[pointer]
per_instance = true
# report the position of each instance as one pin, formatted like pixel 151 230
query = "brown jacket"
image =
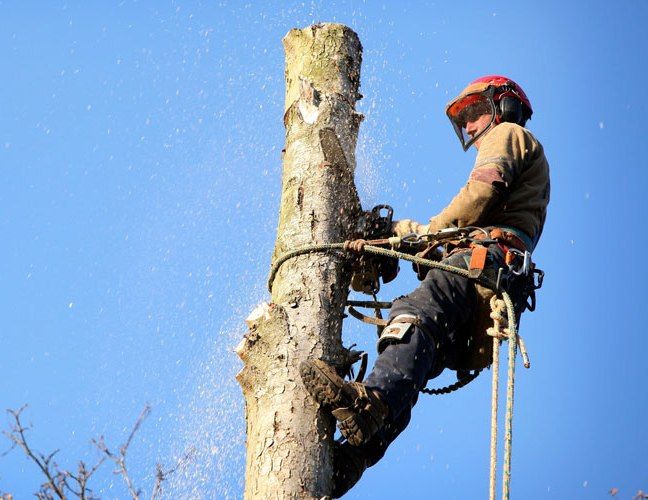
pixel 508 187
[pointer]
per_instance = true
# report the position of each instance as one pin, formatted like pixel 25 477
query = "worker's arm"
pixel 500 157
pixel 408 226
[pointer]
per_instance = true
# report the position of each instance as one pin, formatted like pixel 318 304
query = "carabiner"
pixel 524 269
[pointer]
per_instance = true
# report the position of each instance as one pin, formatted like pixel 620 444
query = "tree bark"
pixel 289 443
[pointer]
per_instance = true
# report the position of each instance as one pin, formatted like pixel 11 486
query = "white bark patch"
pixel 258 314
pixel 308 112
pixel 309 102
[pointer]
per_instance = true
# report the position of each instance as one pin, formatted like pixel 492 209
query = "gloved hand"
pixel 407 226
pixel 356 246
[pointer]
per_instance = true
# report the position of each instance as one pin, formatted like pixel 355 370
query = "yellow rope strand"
pixel 494 399
pixel 503 328
pixel 510 389
pixel 497 332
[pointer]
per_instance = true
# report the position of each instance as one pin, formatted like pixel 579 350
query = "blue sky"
pixel 140 174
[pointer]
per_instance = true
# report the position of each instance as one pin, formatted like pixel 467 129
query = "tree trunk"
pixel 289 442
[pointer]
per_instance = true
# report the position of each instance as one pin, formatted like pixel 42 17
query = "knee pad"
pixel 395 331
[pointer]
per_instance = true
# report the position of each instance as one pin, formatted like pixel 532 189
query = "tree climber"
pixel 502 211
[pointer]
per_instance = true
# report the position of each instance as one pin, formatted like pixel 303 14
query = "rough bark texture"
pixel 288 441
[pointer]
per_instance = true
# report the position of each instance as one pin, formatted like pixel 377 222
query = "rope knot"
pixel 500 328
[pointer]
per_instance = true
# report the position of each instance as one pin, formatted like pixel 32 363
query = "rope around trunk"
pixel 385 252
pixel 509 333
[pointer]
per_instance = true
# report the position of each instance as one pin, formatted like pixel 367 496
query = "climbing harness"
pixel 504 326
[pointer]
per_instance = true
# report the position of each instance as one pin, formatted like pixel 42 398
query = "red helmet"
pixel 497 96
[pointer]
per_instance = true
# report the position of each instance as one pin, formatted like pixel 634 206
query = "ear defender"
pixel 510 110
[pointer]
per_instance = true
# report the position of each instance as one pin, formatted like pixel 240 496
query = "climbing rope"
pixel 500 331
pixel 504 328
pixel 384 252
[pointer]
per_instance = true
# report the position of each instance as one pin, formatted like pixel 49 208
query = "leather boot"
pixel 359 411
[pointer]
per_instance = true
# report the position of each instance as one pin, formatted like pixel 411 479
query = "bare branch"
pixel 82 477
pixel 145 413
pixel 161 475
pixel 59 482
pixel 55 478
pixel 6 452
pixel 120 459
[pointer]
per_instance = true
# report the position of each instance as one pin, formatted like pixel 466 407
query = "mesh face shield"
pixel 468 108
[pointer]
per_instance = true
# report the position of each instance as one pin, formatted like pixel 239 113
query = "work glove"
pixel 407 226
pixel 356 246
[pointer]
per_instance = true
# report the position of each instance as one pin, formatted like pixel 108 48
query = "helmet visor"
pixel 467 109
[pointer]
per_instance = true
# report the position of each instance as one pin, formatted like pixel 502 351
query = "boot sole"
pixel 328 389
pixel 324 384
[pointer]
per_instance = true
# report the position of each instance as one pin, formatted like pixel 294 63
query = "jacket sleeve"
pixel 499 159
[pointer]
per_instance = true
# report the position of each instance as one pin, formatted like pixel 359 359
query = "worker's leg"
pixel 418 349
pixel 403 368
pixel 423 341
pixel 413 348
